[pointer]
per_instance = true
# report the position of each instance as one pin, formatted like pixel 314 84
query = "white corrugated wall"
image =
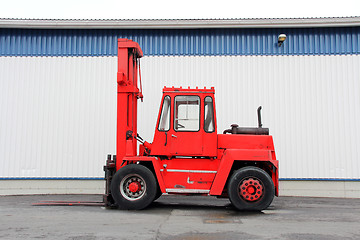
pixel 58 114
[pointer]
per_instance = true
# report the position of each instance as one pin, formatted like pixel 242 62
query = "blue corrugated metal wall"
pixel 301 41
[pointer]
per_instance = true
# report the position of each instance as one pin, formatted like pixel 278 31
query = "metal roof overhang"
pixel 179 23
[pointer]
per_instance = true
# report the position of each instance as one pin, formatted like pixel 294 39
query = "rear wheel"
pixel 251 188
pixel 133 187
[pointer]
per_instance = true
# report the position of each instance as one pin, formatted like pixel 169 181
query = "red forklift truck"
pixel 187 155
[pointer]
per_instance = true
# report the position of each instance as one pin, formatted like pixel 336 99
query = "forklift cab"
pixel 186 124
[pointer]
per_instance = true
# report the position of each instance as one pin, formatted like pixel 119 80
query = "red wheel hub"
pixel 134 187
pixel 251 189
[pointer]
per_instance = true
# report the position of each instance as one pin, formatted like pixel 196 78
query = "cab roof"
pixel 188 90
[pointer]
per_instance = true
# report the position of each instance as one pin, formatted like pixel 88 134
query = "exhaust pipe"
pixel 235 129
pixel 259 116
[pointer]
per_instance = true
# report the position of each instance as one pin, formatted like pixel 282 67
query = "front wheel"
pixel 251 188
pixel 133 187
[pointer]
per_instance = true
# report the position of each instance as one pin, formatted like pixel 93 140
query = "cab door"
pixel 161 144
pixel 186 138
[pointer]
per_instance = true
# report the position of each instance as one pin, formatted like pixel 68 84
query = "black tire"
pixel 133 187
pixel 158 194
pixel 251 189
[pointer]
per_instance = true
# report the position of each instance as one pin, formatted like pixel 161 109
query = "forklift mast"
pixel 128 93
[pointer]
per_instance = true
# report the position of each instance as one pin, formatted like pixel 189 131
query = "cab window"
pixel 187 113
pixel 209 115
pixel 164 123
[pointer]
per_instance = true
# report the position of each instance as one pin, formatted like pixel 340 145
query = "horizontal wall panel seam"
pixel 99 178
pixel 321 179
pixel 187 42
pixel 49 178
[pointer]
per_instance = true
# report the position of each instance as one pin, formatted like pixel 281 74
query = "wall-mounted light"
pixel 281 39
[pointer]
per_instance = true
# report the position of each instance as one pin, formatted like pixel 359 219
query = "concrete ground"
pixel 180 217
